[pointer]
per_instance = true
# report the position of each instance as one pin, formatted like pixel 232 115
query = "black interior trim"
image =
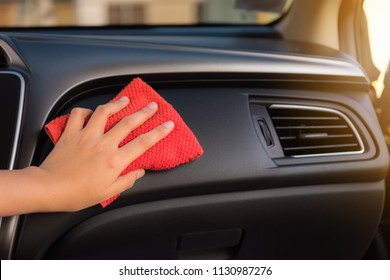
pixel 12 105
pixel 276 224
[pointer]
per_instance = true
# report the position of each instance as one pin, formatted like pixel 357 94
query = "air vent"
pixel 3 60
pixel 307 131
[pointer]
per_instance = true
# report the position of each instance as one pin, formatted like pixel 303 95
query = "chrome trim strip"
pixel 328 110
pixel 9 233
pixel 19 118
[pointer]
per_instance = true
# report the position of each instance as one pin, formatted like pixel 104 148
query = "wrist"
pixel 39 185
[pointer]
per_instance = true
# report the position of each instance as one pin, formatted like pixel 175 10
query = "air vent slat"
pixel 305 118
pixel 312 127
pixel 321 147
pixel 313 131
pixel 316 136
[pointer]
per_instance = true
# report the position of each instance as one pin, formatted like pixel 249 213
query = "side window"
pixel 29 13
pixel 378 22
pixel 119 13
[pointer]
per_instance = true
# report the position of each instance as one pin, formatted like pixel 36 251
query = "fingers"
pixel 132 150
pixel 125 182
pixel 77 119
pixel 99 118
pixel 129 123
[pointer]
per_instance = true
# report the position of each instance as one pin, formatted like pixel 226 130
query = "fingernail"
pixel 123 99
pixel 152 105
pixel 169 124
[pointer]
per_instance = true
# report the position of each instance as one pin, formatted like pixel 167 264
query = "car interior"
pixel 295 160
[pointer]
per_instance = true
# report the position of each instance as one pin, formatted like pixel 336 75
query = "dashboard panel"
pixel 248 196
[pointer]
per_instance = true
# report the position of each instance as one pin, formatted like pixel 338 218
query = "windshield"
pixel 49 13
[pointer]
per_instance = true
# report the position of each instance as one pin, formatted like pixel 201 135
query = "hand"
pixel 83 168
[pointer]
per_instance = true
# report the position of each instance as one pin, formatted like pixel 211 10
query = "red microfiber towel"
pixel 180 146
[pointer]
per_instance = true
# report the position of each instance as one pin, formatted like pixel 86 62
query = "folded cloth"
pixel 180 146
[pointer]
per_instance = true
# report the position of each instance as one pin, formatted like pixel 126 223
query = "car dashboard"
pixel 294 158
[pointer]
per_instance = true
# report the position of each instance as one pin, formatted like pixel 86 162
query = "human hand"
pixel 83 168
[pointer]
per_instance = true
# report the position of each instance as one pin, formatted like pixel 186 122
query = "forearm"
pixel 23 191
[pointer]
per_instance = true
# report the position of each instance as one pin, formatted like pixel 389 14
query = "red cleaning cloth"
pixel 180 146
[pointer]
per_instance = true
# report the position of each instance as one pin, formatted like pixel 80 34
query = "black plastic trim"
pixel 8 225
pixel 3 60
pixel 277 224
